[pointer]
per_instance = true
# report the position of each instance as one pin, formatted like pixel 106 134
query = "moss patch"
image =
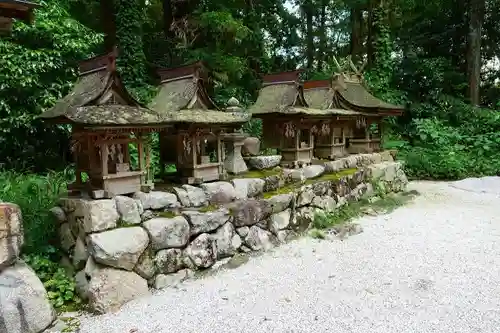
pixel 168 214
pixel 209 208
pixel 259 173
pixel 290 187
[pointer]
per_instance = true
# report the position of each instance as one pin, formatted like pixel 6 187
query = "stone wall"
pixel 119 247
pixel 24 305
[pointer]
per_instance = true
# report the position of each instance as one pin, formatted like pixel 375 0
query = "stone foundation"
pixel 24 304
pixel 119 247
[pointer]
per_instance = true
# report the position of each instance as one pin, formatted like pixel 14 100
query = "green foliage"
pixel 35 195
pixel 60 287
pixel 132 60
pixel 38 66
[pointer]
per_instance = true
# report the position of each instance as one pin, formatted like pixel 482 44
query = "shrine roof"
pixel 17 9
pixel 319 94
pixel 283 94
pixel 99 97
pixel 183 98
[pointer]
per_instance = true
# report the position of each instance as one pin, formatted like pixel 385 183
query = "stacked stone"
pixel 24 304
pixel 120 246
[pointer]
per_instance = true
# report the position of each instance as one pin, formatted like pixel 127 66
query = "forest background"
pixel 439 58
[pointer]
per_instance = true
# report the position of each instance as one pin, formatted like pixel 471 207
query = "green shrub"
pixel 60 287
pixel 35 195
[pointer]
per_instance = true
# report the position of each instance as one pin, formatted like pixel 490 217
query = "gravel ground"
pixel 431 266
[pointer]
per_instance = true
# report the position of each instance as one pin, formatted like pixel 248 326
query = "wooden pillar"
pixel 195 138
pixel 104 159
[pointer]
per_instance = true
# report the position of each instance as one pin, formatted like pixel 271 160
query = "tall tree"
pixel 476 18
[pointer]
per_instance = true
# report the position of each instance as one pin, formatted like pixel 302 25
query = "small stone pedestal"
pixel 234 163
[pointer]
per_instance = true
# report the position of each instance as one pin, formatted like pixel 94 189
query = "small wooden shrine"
pixel 352 94
pixel 289 124
pixel 331 138
pixel 105 122
pixel 15 9
pixel 195 144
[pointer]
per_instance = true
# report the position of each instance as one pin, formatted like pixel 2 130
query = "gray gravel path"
pixel 431 266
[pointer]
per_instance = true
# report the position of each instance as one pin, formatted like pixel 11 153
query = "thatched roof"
pixel 282 94
pixel 183 98
pixel 352 94
pixel 320 95
pixel 100 98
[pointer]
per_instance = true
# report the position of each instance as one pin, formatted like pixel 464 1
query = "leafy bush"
pixel 35 195
pixel 60 287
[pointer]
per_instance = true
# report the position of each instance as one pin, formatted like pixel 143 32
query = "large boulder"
pixel 202 251
pixel 120 248
pixel 11 233
pixel 202 222
pixel 251 146
pixel 191 196
pixel 111 288
pixel 219 192
pixel 24 304
pixel 248 187
pixel 264 162
pixel 168 232
pixel 280 221
pixel 157 200
pixel 169 261
pixel 249 212
pixel 129 209
pixel 259 239
pixel 227 241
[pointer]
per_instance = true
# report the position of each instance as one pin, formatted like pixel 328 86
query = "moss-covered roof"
pixel 282 94
pixel 320 95
pixel 99 98
pixel 113 114
pixel 183 98
pixel 351 93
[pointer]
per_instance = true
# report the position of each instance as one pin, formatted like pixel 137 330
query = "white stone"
pixel 202 251
pixel 202 222
pixel 259 239
pixel 157 199
pixel 243 231
pixel 98 215
pixel 219 192
pixel 168 232
pixel 11 233
pixel 24 304
pixel 120 248
pixel 128 209
pixel 264 162
pixel 66 237
pixel 248 187
pixel 171 280
pixel 280 221
pixel 191 196
pixel 227 241
pixel 145 266
pixel 80 254
pixel 327 203
pixel 111 288
pixel 169 261
pixel 280 202
pixel 313 171
pixel 251 146
pixel 305 197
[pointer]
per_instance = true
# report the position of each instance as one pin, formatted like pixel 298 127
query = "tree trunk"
pixel 167 19
pixel 322 37
pixel 308 12
pixel 356 33
pixel 108 22
pixel 476 18
pixel 370 47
